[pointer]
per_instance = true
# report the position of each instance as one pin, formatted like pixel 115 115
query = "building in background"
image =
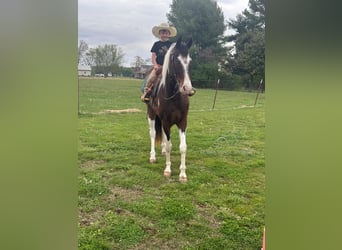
pixel 84 70
pixel 141 72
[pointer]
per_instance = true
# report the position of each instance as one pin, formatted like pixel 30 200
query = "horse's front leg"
pixel 167 146
pixel 163 145
pixel 182 149
pixel 152 137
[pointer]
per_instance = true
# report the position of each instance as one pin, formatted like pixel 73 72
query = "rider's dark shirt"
pixel 160 48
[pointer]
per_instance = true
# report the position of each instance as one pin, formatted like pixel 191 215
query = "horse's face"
pixel 180 66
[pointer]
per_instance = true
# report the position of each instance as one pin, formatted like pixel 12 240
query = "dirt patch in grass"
pixel 86 219
pixel 112 111
pixel 124 194
pixel 91 165
pixel 128 195
pixel 116 111
pixel 208 214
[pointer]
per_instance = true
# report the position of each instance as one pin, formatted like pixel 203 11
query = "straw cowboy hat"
pixel 164 26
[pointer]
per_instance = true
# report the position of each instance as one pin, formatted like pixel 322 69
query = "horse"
pixel 170 104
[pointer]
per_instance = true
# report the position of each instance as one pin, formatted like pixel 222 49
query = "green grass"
pixel 126 203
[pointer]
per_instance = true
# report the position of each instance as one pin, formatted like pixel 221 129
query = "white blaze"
pixel 185 61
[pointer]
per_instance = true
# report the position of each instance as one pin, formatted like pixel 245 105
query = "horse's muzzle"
pixel 192 92
pixel 188 90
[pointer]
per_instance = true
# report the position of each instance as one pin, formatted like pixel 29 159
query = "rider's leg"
pixel 148 87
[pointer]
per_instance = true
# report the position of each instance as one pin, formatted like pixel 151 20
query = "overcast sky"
pixel 128 23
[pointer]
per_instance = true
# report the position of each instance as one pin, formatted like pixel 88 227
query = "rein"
pixel 171 97
pixel 172 76
pixel 174 95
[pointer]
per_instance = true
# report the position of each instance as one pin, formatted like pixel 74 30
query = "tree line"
pixel 104 59
pixel 238 60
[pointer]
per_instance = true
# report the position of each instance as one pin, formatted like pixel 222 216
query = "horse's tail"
pixel 158 127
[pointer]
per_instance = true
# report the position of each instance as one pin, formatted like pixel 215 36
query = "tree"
pixel 247 57
pixel 138 62
pixel 105 59
pixel 82 49
pixel 203 20
pixel 126 72
pixel 250 59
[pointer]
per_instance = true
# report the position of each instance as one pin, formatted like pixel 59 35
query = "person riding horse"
pixel 170 104
pixel 158 50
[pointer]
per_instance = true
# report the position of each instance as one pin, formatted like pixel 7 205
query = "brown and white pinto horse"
pixel 170 105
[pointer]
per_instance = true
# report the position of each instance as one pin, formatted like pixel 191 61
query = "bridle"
pixel 174 79
pixel 176 93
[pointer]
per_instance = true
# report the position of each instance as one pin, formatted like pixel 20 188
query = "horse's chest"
pixel 174 117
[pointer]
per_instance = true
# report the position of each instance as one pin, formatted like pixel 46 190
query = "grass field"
pixel 126 203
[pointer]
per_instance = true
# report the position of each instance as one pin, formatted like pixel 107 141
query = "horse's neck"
pixel 171 83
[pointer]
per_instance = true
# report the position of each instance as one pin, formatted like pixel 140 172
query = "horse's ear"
pixel 179 41
pixel 189 43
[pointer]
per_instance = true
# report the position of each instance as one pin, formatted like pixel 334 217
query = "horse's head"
pixel 178 65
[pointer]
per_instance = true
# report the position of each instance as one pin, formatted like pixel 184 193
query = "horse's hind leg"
pixel 167 147
pixel 152 137
pixel 182 149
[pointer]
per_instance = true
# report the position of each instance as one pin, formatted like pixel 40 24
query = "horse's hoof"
pixel 163 153
pixel 167 174
pixel 152 161
pixel 183 179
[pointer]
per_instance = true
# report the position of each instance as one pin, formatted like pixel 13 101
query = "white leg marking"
pixel 163 144
pixel 152 138
pixel 168 147
pixel 182 149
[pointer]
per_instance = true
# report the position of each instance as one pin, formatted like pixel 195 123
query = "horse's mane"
pixel 166 64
